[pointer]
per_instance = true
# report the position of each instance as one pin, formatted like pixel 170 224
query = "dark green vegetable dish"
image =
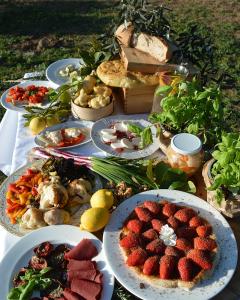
pixel 46 273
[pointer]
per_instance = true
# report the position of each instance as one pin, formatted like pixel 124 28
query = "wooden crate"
pixel 138 100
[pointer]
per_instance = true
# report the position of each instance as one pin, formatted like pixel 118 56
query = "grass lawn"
pixel 34 34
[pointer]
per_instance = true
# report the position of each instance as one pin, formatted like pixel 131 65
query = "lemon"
pixel 102 198
pixel 52 120
pixel 37 124
pixel 94 219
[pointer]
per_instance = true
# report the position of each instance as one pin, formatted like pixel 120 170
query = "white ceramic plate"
pixel 20 108
pixel 52 72
pixel 19 255
pixel 127 277
pixel 128 154
pixel 85 125
pixel 14 228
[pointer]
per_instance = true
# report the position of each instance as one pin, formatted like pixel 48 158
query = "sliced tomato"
pixel 31 88
pixel 12 208
pixel 31 172
pixel 12 187
pixel 34 191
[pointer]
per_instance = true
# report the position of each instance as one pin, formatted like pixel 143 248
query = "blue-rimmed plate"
pixel 85 126
pixel 24 84
pixel 52 72
pixel 128 154
pixel 19 255
pixel 132 281
pixel 15 228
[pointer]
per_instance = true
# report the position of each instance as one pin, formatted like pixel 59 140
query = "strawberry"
pixel 196 221
pixel 129 241
pixel 201 258
pixel 157 224
pixel 167 267
pixel 202 243
pixel 151 265
pixel 170 250
pixel 185 268
pixel 183 244
pixel 154 207
pixel 150 234
pixel 163 202
pixel 186 232
pixel 135 226
pixel 169 209
pixel 156 247
pixel 204 230
pixel 143 214
pixel 184 214
pixel 137 257
pixel 173 222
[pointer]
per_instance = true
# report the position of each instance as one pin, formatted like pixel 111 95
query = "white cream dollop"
pixel 168 236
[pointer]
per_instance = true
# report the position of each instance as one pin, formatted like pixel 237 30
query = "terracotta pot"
pixel 230 206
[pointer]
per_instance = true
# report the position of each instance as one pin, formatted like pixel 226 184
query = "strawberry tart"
pixel 169 244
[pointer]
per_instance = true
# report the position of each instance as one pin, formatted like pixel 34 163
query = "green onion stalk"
pixel 113 169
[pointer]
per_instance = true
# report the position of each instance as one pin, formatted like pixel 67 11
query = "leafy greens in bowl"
pixel 188 107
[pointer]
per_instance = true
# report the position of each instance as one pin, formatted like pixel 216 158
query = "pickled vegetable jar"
pixel 185 153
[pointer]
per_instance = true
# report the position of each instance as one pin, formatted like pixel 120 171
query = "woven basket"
pixel 91 114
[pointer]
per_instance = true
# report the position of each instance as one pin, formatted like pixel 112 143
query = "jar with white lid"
pixel 185 153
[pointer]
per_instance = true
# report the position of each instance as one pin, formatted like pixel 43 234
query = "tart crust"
pixel 172 283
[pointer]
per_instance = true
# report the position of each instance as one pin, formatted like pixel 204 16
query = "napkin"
pixel 8 132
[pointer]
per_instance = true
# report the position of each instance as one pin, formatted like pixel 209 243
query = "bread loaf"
pixel 155 46
pixel 113 73
pixel 124 34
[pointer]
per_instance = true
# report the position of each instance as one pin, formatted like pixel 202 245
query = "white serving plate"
pixel 128 278
pixel 20 108
pixel 86 125
pixel 14 228
pixel 19 255
pixel 128 154
pixel 52 72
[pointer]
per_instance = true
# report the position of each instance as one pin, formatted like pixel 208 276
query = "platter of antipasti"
pixel 140 196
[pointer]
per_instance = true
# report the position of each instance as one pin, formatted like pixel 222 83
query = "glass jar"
pixel 175 76
pixel 185 153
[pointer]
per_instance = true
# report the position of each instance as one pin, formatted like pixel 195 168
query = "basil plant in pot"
pixel 186 106
pixel 222 175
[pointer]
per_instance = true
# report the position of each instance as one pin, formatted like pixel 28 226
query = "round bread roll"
pixel 113 73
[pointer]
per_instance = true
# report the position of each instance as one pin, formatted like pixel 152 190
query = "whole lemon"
pixel 102 198
pixel 37 124
pixel 94 219
pixel 52 120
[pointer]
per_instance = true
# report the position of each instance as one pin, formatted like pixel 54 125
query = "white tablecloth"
pixel 15 142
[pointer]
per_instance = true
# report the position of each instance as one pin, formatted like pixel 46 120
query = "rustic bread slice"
pixel 124 34
pixel 113 73
pixel 155 46
pixel 139 61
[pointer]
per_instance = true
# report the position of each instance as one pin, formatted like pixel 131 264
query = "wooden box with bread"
pixel 143 60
